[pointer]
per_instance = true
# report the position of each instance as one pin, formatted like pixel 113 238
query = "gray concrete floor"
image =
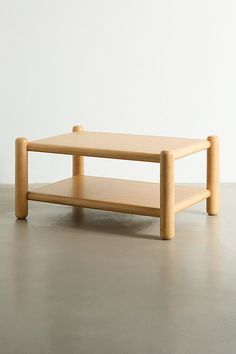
pixel 98 282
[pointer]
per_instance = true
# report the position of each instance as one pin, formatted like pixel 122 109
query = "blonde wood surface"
pixel 118 146
pixel 21 178
pixel 114 194
pixel 167 196
pixel 134 197
pixel 77 160
pixel 189 200
pixel 213 177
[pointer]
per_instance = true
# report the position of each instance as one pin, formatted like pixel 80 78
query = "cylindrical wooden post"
pixel 78 161
pixel 213 175
pixel 167 195
pixel 21 178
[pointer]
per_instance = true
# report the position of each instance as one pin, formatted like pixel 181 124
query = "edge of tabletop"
pixel 103 153
pixel 192 148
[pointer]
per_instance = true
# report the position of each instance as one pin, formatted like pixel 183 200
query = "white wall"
pixel 144 66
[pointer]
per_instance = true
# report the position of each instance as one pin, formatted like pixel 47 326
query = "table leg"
pixel 78 161
pixel 213 178
pixel 167 197
pixel 21 178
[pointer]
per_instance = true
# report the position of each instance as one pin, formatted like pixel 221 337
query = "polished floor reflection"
pixel 93 282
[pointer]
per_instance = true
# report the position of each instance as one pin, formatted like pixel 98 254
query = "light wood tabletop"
pixel 118 146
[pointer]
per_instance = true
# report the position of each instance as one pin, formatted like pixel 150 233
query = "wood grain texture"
pixel 133 197
pixel 118 146
pixel 21 178
pixel 77 160
pixel 167 196
pixel 213 176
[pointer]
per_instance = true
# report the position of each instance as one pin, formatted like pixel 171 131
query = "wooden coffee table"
pixel 161 200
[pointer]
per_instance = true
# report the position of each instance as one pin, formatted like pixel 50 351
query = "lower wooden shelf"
pixel 112 194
